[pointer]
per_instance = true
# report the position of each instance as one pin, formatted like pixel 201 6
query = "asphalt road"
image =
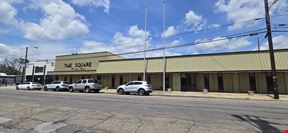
pixel 39 111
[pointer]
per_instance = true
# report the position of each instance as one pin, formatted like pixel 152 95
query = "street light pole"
pixel 24 69
pixel 164 41
pixel 145 41
pixel 271 51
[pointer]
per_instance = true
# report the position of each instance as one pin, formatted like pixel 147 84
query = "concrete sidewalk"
pixel 242 96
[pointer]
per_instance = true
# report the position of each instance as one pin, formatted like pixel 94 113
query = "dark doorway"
pixel 220 83
pixel 113 82
pixel 252 81
pixel 139 78
pixel 269 81
pixel 206 81
pixel 121 80
pixel 70 81
pixel 185 81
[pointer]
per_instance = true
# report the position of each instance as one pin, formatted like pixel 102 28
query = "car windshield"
pixel 35 83
pixel 65 82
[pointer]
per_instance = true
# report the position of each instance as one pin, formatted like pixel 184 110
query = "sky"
pixel 62 27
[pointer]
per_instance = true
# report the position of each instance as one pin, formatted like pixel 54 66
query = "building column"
pixel 176 79
pixel 235 81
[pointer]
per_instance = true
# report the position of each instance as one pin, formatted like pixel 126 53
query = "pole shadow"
pixel 259 122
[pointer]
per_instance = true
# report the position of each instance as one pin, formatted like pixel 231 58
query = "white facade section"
pixel 39 67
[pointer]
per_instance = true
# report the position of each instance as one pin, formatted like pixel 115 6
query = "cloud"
pixel 170 31
pixel 95 3
pixel 7 13
pixel 7 51
pixel 60 21
pixel 238 43
pixel 195 20
pixel 220 43
pixel 242 10
pixel 279 42
pixel 94 46
pixel 135 37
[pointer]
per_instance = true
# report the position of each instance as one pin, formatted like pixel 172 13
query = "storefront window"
pixel 206 81
pixel 252 81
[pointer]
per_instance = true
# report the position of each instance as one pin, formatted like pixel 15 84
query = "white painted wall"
pixel 50 66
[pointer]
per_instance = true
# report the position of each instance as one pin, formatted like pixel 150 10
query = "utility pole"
pixel 271 51
pixel 145 41
pixel 24 69
pixel 164 41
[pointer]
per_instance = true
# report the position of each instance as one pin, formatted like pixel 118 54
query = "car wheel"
pixel 17 88
pixel 87 89
pixel 141 92
pixel 28 88
pixel 120 91
pixel 57 88
pixel 71 89
pixel 45 88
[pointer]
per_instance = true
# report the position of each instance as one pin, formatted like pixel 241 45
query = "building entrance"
pixel 188 82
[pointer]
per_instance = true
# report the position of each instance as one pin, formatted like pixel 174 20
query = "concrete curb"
pixel 237 98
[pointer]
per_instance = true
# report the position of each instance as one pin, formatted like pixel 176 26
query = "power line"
pixel 239 35
pixel 195 31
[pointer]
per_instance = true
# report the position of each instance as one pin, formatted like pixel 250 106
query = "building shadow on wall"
pixel 263 125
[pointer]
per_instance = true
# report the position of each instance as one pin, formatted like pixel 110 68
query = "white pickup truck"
pixel 86 85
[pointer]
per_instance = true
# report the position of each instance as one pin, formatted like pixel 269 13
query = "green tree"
pixel 11 66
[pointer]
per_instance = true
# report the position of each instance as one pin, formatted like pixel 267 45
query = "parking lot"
pixel 40 111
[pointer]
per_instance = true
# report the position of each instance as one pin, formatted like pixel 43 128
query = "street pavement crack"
pixel 107 118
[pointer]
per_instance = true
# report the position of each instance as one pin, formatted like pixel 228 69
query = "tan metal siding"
pixel 244 82
pixel 262 82
pixel 205 63
pixel 200 82
pixel 228 82
pixel 235 81
pixel 176 79
pixel 281 83
pixel 213 82
pixel 286 79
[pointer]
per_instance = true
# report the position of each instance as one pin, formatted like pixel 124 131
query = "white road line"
pixel 3 120
pixel 49 127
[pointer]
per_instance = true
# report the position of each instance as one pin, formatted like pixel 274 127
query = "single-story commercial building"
pixel 36 71
pixel 219 72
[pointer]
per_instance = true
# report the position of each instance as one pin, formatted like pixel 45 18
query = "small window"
pixel 84 81
pixel 138 83
pixel 91 81
pixel 57 82
pixel 130 83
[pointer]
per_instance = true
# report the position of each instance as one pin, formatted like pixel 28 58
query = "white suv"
pixel 140 87
pixel 56 85
pixel 86 85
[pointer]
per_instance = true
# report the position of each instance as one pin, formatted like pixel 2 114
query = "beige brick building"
pixel 221 72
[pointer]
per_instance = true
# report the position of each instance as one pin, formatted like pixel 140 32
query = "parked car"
pixel 86 85
pixel 57 86
pixel 29 86
pixel 140 87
